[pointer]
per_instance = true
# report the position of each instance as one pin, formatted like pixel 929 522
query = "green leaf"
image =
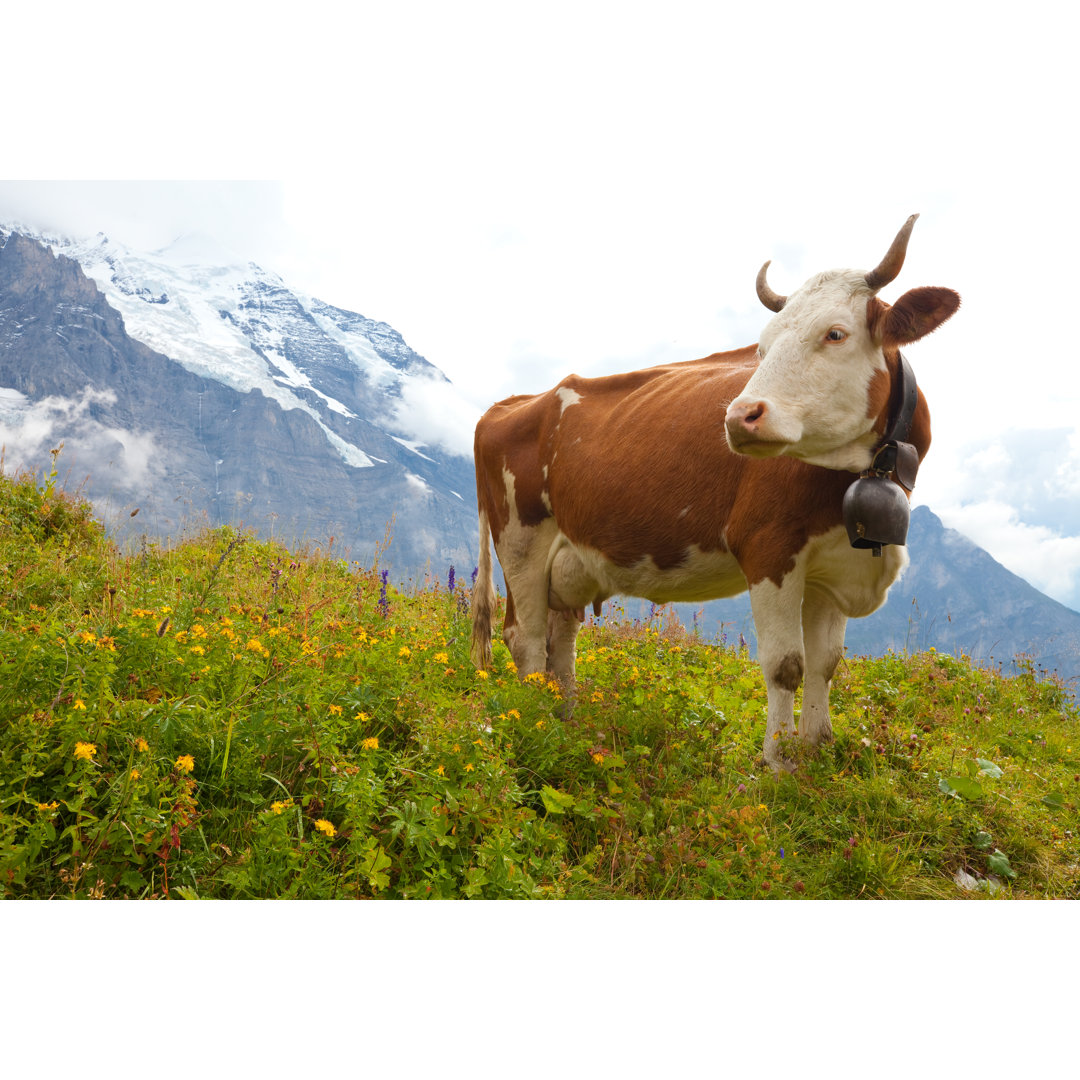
pixel 988 768
pixel 639 696
pixel 133 880
pixel 1054 800
pixel 999 863
pixel 555 802
pixel 965 786
pixel 983 840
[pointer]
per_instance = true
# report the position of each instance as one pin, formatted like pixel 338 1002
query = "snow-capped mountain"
pixel 344 444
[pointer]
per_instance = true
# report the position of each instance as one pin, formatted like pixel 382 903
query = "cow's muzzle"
pixel 750 429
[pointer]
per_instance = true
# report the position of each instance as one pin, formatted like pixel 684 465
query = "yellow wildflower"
pixel 405 652
pixel 309 648
pixel 540 725
pixel 441 658
pixel 370 744
pixel 79 704
pixel 482 674
pixel 362 717
pixel 536 677
pixel 335 710
pixel 198 650
pixel 280 805
pixel 324 826
pixel 598 759
pixel 135 774
pixel 141 745
pixel 256 646
pixel 85 750
pixel 441 770
pixel 514 714
pixel 185 763
pixel 468 768
pixel 87 636
pixel 47 805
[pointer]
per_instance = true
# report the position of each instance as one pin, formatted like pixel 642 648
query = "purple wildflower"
pixel 450 580
pixel 384 602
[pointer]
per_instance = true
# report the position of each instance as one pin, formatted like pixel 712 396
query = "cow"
pixel 700 479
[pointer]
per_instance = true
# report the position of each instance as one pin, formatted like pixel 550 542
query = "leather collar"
pixel 895 453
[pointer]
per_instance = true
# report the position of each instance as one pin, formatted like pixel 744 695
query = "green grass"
pixel 225 718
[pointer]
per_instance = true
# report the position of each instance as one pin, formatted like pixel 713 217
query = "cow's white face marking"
pixel 809 396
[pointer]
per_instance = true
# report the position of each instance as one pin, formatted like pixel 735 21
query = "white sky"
pixel 592 187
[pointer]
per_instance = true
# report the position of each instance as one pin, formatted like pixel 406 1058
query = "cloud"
pixel 114 461
pixel 1040 555
pixel 432 413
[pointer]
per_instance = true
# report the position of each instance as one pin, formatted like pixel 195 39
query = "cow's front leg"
pixel 778 621
pixel 823 633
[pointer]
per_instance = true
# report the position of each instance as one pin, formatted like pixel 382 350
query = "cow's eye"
pixel 836 334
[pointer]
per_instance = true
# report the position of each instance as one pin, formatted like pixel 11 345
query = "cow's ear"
pixel 917 313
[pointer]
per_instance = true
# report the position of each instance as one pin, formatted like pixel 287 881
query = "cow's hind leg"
pixel 823 635
pixel 563 627
pixel 525 628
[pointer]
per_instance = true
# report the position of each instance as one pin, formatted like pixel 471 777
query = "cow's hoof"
pixel 820 737
pixel 780 764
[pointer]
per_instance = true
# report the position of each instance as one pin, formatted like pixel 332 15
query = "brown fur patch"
pixel 789 672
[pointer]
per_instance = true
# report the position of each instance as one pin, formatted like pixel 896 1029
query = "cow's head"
pixel 821 382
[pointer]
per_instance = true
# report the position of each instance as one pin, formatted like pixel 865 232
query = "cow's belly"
pixel 581 575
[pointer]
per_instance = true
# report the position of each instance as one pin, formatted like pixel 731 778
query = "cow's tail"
pixel 483 600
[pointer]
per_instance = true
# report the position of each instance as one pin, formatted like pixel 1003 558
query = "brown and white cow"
pixel 697 480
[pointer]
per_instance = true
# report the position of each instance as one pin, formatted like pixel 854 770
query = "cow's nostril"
pixel 747 415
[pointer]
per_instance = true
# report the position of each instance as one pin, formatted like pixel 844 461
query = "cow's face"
pixel 811 393
pixel 822 377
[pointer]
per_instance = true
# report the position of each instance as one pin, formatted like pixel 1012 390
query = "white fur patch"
pixel 568 397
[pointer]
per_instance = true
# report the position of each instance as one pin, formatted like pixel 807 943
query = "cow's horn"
pixel 890 266
pixel 773 301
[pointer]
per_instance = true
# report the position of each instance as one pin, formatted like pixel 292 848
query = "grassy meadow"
pixel 223 717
